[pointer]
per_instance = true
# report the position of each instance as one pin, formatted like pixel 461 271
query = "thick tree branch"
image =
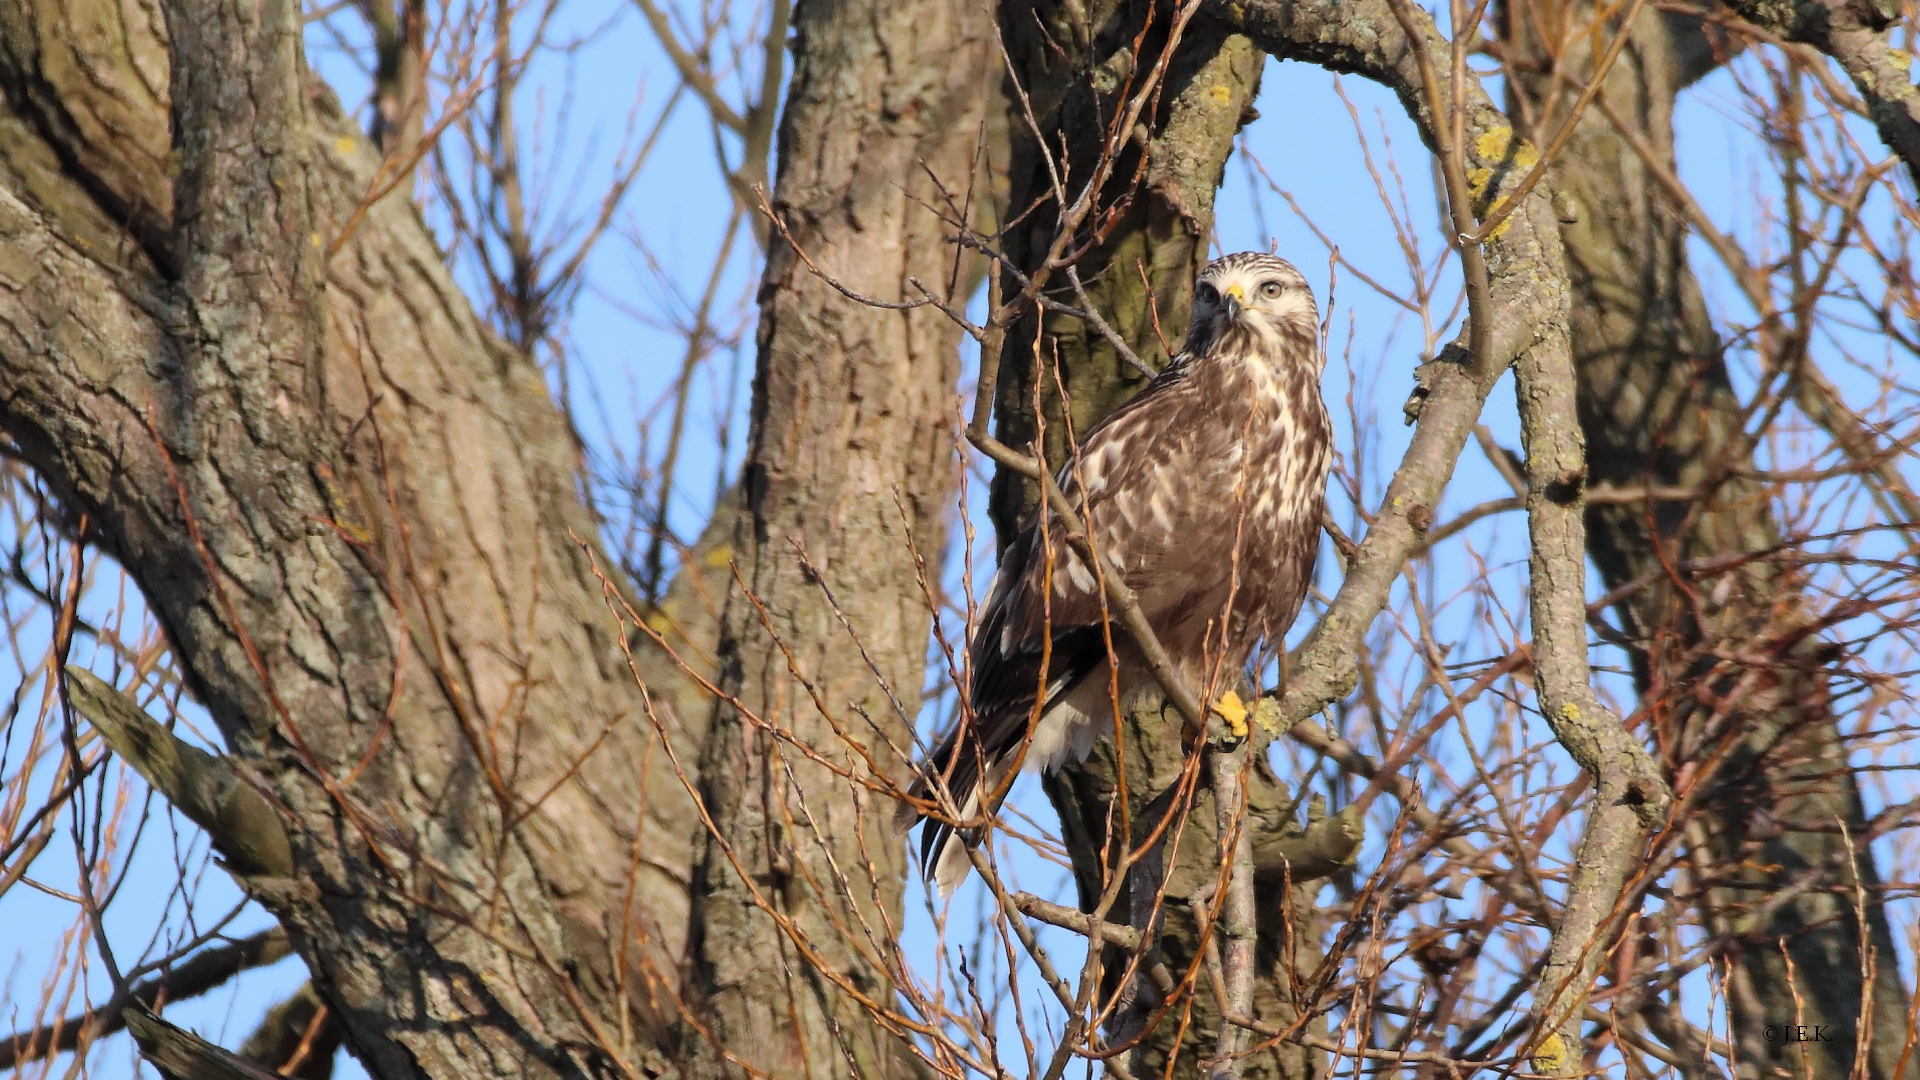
pixel 179 1054
pixel 241 822
pixel 1230 766
pixel 244 213
pixel 1661 413
pixel 1630 796
pixel 299 1037
pixel 849 461
pixel 354 530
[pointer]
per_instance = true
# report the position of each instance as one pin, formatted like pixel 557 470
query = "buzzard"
pixel 1205 490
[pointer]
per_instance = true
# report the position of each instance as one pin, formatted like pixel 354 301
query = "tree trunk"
pixel 845 499
pixel 1658 408
pixel 355 512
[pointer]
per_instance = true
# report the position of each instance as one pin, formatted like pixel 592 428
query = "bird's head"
pixel 1261 293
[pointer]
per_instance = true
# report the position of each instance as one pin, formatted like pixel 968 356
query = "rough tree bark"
pixel 847 485
pixel 1657 408
pixel 355 512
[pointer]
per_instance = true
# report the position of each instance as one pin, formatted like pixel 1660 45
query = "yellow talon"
pixel 1234 713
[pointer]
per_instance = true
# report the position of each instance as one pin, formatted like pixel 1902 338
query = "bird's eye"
pixel 1206 294
pixel 1271 290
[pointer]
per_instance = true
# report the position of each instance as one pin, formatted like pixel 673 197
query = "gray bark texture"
pixel 844 504
pixel 356 513
pixel 1657 407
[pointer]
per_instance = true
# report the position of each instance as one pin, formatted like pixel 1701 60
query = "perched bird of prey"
pixel 1206 491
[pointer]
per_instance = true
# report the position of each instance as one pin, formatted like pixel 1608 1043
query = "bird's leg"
pixel 1234 712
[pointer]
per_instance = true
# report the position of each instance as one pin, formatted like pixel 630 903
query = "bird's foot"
pixel 1233 712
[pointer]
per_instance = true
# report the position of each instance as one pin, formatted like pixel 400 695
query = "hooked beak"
pixel 1235 298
